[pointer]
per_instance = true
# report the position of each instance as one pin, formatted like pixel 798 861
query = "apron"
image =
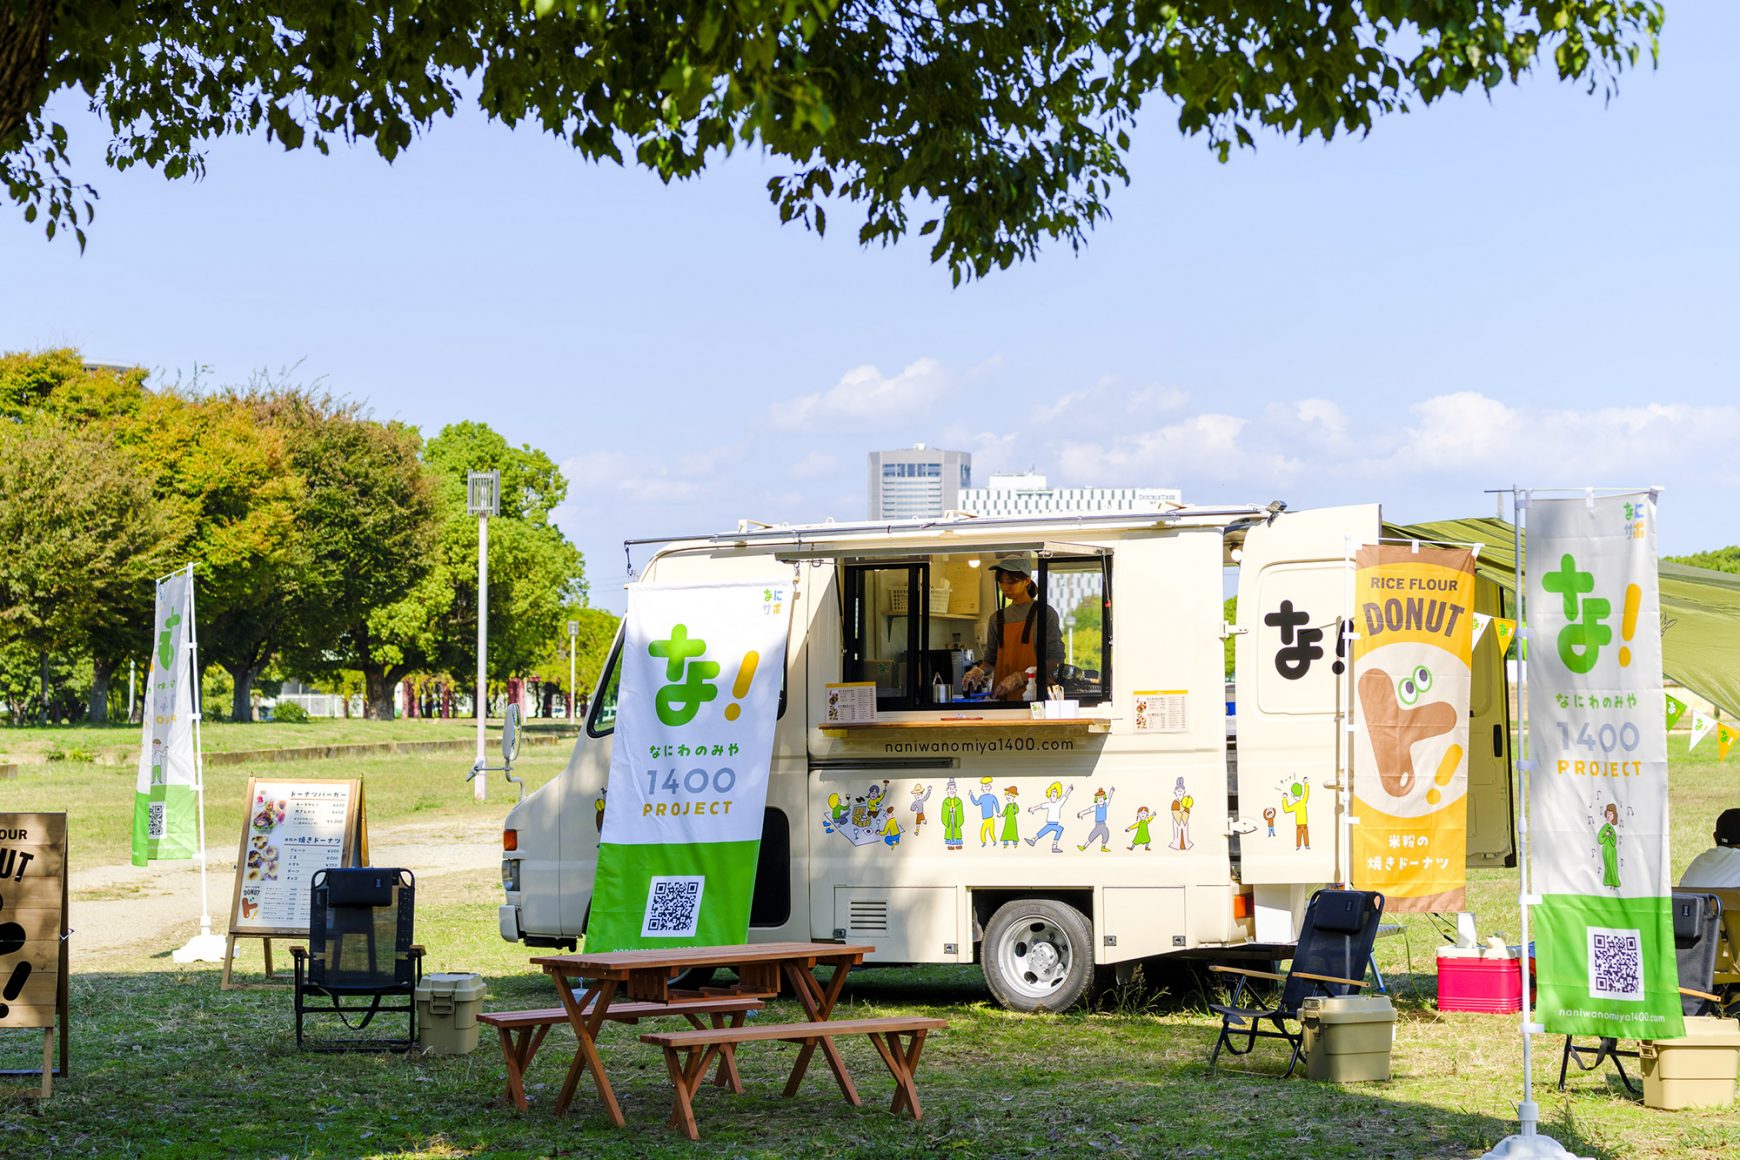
pixel 1015 651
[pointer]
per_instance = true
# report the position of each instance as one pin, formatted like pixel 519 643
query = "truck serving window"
pixel 601 722
pixel 917 627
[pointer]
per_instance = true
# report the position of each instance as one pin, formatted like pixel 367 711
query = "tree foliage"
pixel 1716 559
pixel 81 545
pixel 323 541
pixel 991 127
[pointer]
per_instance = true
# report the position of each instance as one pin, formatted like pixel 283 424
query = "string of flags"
pixel 1702 726
pixel 1504 626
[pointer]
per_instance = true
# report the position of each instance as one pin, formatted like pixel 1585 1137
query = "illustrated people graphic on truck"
pixel 874 796
pixel 1055 797
pixel 1293 799
pixel 890 828
pixel 1269 817
pixel 1011 818
pixel 1102 804
pixel 920 795
pixel 954 816
pixel 987 803
pixel 1140 826
pixel 1608 837
pixel 1181 805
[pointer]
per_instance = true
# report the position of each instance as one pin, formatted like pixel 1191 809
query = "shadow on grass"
pixel 166 1064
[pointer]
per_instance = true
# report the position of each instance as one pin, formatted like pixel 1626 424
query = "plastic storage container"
pixel 1697 1071
pixel 1475 979
pixel 1348 1038
pixel 447 1009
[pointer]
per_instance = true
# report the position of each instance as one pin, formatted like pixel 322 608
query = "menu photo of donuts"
pixel 268 813
pixel 262 860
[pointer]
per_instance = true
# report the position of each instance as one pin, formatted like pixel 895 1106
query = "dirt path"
pixel 143 912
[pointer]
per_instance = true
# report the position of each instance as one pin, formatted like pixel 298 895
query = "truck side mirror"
pixel 510 735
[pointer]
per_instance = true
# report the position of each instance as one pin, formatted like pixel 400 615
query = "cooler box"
pixel 1694 1072
pixel 1476 980
pixel 447 1009
pixel 1348 1038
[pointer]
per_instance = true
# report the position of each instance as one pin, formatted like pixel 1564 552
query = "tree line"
pixel 327 545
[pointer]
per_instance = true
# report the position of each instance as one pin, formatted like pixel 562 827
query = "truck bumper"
pixel 508 918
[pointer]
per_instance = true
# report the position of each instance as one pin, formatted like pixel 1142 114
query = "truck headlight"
pixel 510 874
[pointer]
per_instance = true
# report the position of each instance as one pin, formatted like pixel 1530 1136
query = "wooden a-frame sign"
pixel 292 827
pixel 33 937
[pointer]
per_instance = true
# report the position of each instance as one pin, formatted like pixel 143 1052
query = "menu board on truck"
pixel 292 829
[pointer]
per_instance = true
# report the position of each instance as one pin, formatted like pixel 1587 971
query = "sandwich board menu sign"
pixel 33 950
pixel 292 828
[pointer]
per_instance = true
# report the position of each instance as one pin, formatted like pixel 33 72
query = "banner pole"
pixel 1527 1142
pixel 205 946
pixel 1528 1112
pixel 1344 716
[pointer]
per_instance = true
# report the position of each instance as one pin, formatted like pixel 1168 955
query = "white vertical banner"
pixel 165 811
pixel 1598 789
pixel 702 669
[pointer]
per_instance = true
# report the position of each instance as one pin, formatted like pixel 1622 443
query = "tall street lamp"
pixel 482 499
pixel 573 635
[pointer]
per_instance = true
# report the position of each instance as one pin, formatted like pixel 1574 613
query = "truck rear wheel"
pixel 1038 955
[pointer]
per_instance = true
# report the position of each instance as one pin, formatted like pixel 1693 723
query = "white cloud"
pixel 1201 444
pixel 1323 416
pixel 1148 400
pixel 814 465
pixel 613 477
pixel 864 396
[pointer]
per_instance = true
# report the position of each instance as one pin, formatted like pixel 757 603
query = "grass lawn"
pixel 79 744
pixel 166 1064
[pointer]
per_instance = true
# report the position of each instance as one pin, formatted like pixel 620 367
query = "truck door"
pixel 1491 840
pixel 1293 590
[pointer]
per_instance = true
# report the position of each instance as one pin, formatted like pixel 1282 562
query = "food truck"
pixel 1096 815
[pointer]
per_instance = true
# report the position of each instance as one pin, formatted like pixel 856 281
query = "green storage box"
pixel 447 1009
pixel 1694 1072
pixel 1348 1038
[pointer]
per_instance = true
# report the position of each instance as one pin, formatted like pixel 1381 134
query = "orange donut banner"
pixel 1413 620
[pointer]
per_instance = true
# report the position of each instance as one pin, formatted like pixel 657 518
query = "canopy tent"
pixel 1700 609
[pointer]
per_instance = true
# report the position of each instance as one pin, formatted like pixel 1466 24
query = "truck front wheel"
pixel 1038 955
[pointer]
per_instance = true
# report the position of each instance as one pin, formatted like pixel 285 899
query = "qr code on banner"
pixel 1615 964
pixel 673 905
pixel 154 820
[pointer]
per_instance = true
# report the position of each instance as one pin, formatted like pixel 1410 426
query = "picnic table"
pixel 589 983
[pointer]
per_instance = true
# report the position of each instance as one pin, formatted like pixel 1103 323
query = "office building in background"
pixel 1025 494
pixel 917 482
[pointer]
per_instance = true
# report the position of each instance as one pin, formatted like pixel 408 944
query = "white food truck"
pixel 1124 821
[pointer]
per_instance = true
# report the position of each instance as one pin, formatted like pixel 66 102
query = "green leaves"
pixel 1007 123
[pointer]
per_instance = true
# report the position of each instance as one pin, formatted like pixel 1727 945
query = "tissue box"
pixel 1062 710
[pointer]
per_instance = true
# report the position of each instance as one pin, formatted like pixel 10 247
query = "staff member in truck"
pixel 1012 636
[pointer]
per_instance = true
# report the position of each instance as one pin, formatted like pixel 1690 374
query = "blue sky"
pixel 1536 288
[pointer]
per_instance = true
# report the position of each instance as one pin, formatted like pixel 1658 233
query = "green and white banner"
pixel 702 669
pixel 165 811
pixel 1598 790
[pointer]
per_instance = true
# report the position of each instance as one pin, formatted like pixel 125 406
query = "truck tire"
pixel 1038 955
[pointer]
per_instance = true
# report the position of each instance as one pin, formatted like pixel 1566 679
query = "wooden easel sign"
pixel 33 930
pixel 291 829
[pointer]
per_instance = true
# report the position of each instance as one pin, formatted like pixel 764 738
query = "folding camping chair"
pixel 1335 941
pixel 359 955
pixel 1697 930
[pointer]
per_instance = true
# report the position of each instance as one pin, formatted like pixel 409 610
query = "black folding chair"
pixel 1697 932
pixel 1330 959
pixel 359 956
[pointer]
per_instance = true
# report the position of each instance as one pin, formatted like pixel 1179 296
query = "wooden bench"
pixel 523 1032
pixel 687 1054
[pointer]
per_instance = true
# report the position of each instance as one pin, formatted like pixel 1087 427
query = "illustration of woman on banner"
pixel 1609 839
